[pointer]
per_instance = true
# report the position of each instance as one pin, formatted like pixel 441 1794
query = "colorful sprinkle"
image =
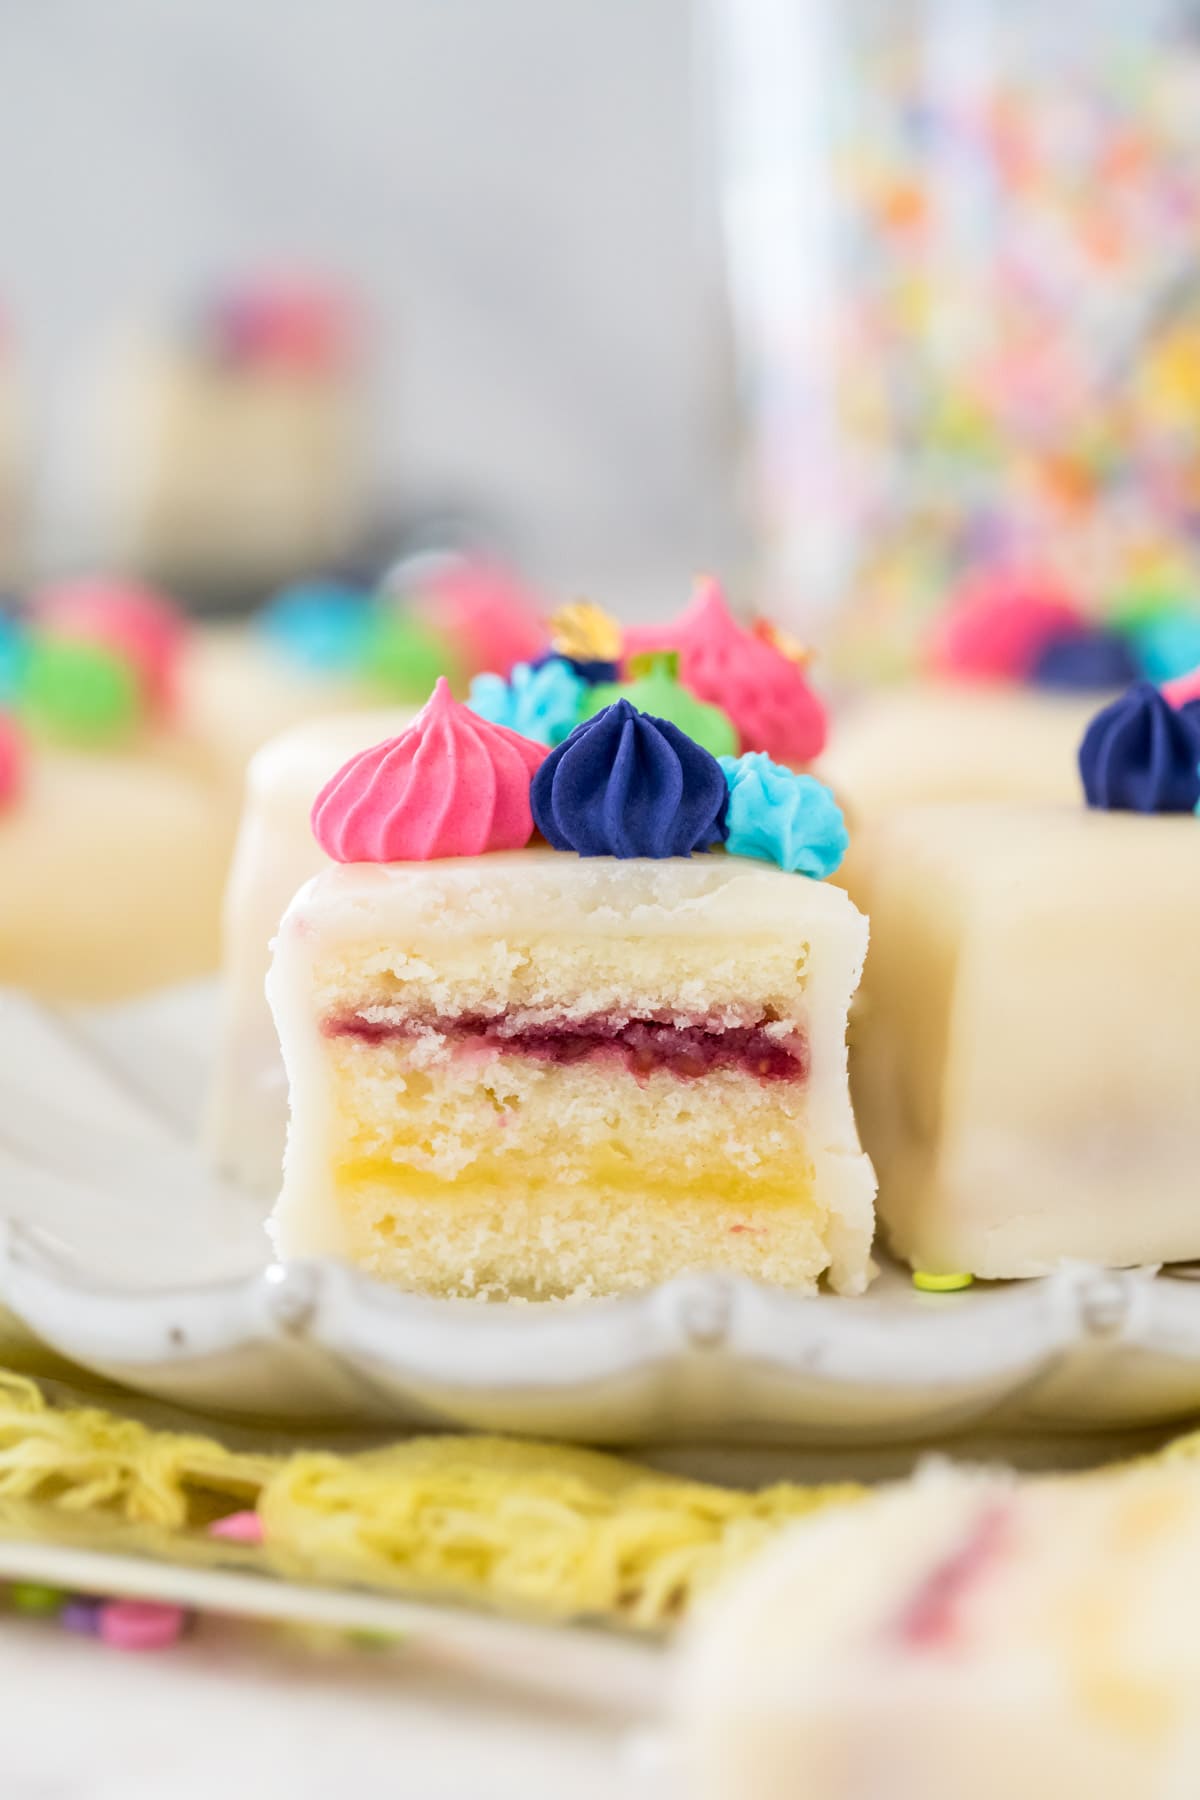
pixel 81 1615
pixel 33 1597
pixel 239 1528
pixel 585 633
pixel 141 1624
pixel 929 1283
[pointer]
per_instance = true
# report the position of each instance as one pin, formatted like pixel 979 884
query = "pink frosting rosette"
pixel 1000 625
pixel 489 616
pixel 743 671
pixel 133 622
pixel 451 785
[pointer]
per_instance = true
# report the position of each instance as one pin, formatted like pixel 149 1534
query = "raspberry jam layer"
pixel 645 1046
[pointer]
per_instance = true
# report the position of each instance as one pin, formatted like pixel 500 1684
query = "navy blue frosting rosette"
pixel 626 784
pixel 1141 754
pixel 1089 657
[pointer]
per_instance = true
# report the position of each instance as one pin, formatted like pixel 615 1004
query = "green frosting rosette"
pixel 655 688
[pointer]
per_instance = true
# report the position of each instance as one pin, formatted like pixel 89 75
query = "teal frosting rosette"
pixel 782 817
pixel 542 701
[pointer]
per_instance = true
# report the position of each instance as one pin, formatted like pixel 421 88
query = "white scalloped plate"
pixel 121 1253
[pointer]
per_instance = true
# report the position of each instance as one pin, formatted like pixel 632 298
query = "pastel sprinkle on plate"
pixel 141 1625
pixel 940 1284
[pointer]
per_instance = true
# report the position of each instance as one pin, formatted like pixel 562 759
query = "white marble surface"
pixel 233 1712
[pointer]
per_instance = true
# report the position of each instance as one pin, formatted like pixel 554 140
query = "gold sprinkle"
pixel 585 632
pixel 795 651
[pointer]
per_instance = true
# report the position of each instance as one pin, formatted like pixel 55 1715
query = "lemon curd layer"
pixel 531 1075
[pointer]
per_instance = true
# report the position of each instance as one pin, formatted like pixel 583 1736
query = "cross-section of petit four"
pixel 961 1635
pixel 582 1068
pixel 1027 1059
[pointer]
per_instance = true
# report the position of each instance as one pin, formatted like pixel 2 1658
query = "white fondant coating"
pixel 932 741
pixel 276 853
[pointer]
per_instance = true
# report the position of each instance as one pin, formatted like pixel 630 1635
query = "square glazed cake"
pixel 1027 1059
pixel 540 1072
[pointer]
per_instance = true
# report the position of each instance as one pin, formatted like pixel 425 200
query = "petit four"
pixel 328 644
pixel 113 837
pixel 1012 671
pixel 581 1067
pixel 1027 1057
pixel 961 1635
pixel 236 458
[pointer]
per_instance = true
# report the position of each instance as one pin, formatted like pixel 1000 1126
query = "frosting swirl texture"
pixel 451 785
pixel 1141 754
pixel 782 817
pixel 625 784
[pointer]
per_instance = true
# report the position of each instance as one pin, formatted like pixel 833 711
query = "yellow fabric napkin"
pixel 540 1530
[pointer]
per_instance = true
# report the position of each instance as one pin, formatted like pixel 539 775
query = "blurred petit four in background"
pixel 331 644
pixel 959 1634
pixel 1007 679
pixel 127 728
pixel 114 837
pixel 233 445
